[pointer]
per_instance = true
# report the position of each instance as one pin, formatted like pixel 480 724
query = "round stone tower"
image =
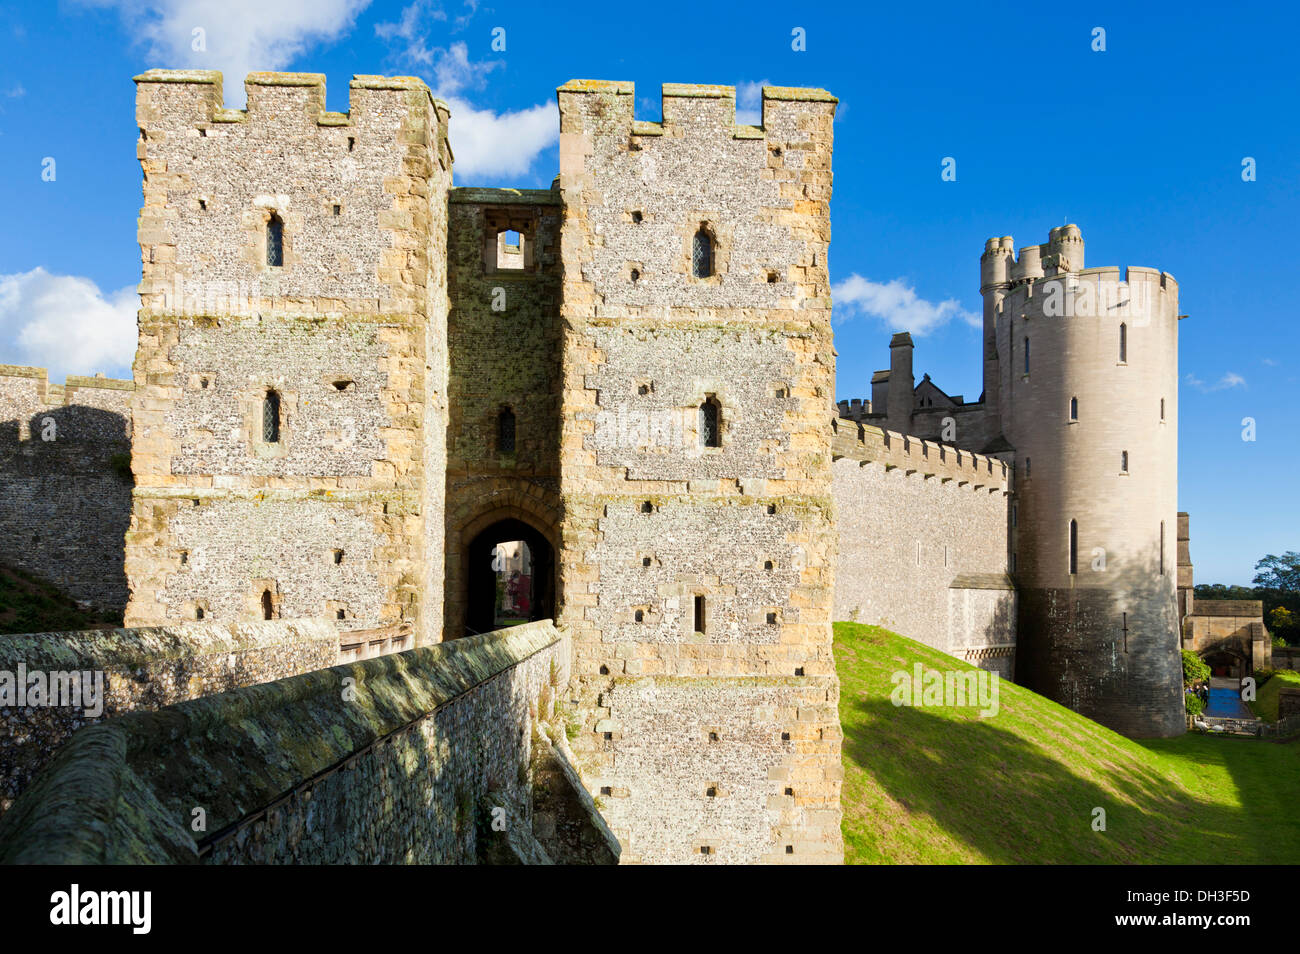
pixel 1086 369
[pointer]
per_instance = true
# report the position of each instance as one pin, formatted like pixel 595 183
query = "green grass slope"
pixel 936 785
pixel 1265 704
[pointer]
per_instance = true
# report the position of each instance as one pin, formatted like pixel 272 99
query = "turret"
pixel 995 279
pixel 1089 401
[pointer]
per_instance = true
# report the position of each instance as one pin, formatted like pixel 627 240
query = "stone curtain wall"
pixel 350 331
pixel 305 771
pixel 146 669
pixel 504 333
pixel 923 543
pixel 65 502
pixel 653 520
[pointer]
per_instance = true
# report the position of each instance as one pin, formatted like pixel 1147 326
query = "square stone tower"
pixel 695 470
pixel 290 406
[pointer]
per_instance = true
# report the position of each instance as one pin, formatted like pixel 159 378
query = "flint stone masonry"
pixel 701 763
pixel 146 669
pixel 65 501
pixel 349 330
pixel 229 543
pixel 331 377
pixel 304 771
pixel 655 436
pixel 679 542
pixel 647 341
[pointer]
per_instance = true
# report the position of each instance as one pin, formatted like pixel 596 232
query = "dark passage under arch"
pixel 481 578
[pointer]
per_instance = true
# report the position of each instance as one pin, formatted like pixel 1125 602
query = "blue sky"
pixel 1140 145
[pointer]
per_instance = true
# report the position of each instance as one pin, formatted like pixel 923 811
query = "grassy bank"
pixel 937 785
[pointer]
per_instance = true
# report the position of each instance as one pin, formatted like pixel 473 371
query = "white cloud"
pixel 749 103
pixel 487 144
pixel 66 324
pixel 238 36
pixel 897 304
pixel 16 92
pixel 1229 380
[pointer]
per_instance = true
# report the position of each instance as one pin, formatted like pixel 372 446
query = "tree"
pixel 1285 625
pixel 1195 668
pixel 1279 572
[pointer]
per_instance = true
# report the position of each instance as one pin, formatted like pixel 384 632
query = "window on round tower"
pixel 1123 462
pixel 1074 408
pixel 1074 547
pixel 1026 355
pixel 1123 343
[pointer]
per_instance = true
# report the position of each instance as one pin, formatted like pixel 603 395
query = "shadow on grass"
pixel 1005 799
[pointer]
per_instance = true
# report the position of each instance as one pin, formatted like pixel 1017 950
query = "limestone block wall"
pixel 143 669
pixel 504 334
pixel 705 566
pixel 347 331
pixel 1229 626
pixel 65 486
pixel 303 771
pixel 923 543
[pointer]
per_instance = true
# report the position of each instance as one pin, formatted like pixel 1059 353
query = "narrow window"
pixel 1162 409
pixel 1026 468
pixel 702 254
pixel 710 432
pixel 1026 355
pixel 699 614
pixel 1015 511
pixel 1162 548
pixel 198 612
pixel 338 557
pixel 271 417
pixel 268 607
pixel 1074 408
pixel 275 241
pixel 506 431
pixel 341 614
pixel 1123 342
pixel 1123 462
pixel 640 616
pixel 1074 547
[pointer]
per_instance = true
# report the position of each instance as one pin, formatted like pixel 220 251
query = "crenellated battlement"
pixel 686 105
pixel 855 409
pixel 36 382
pixel 873 445
pixel 196 98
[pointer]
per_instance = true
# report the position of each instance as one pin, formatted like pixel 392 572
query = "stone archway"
pixel 1226 663
pixel 481 577
pixel 523 515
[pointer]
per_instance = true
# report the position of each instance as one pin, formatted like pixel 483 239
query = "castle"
pixel 354 381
